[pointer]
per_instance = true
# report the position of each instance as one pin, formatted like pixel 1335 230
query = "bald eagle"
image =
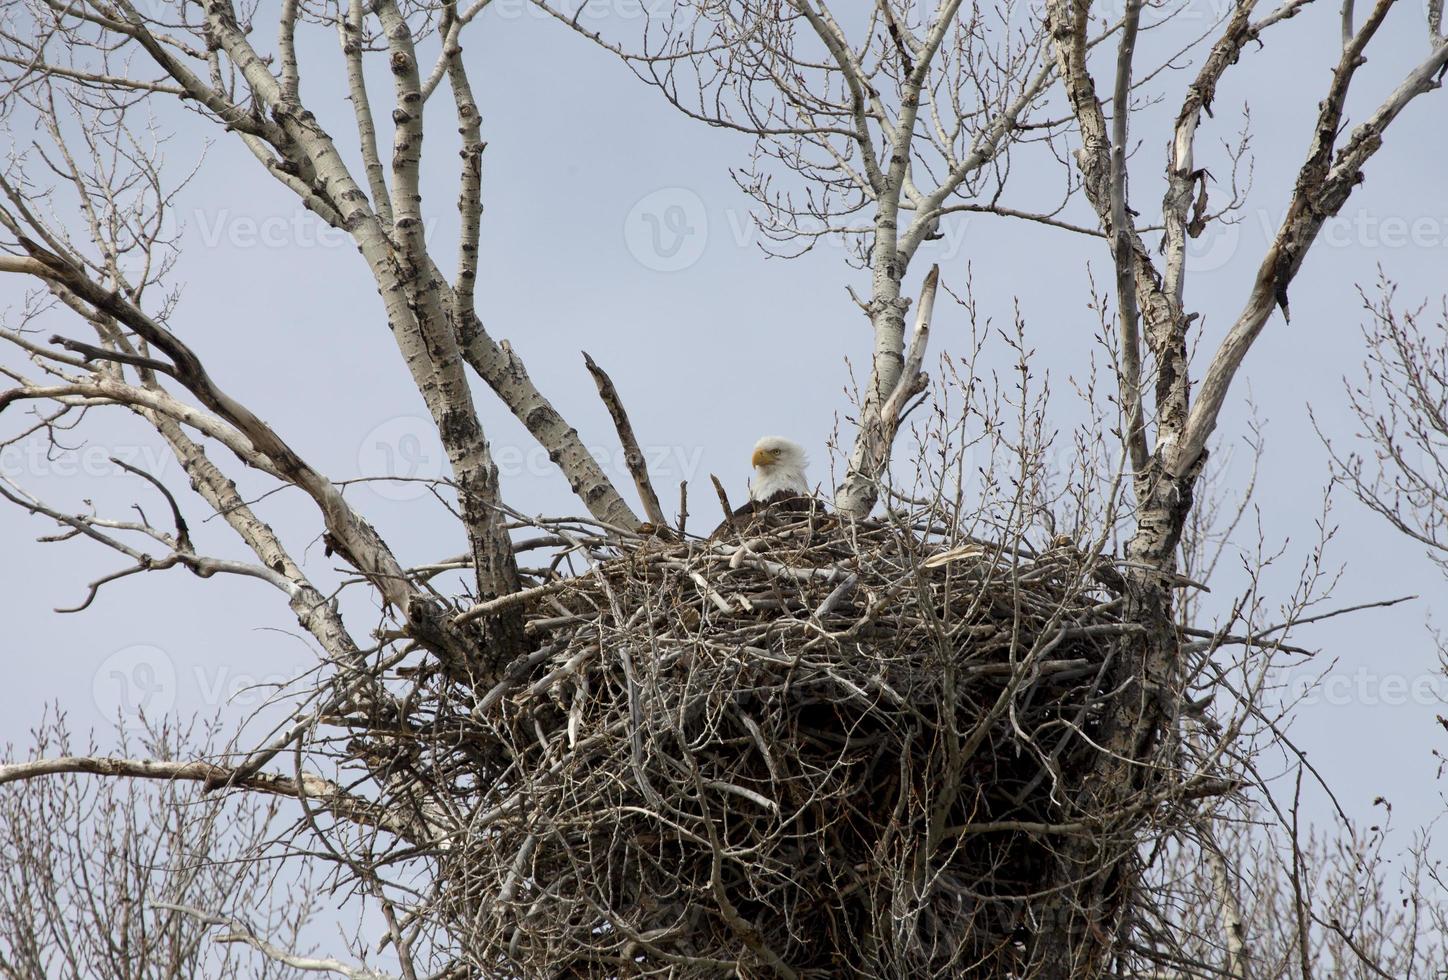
pixel 778 485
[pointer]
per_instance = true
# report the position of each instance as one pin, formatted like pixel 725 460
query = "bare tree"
pixel 90 872
pixel 835 130
pixel 649 755
pixel 885 134
pixel 1286 901
pixel 1401 402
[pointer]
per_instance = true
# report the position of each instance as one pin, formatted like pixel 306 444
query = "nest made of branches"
pixel 808 748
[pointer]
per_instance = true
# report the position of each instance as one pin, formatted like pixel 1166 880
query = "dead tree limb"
pixel 633 455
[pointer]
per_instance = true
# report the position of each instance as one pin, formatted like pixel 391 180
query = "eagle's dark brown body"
pixel 758 515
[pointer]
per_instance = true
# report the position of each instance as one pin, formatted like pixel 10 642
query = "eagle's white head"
pixel 778 468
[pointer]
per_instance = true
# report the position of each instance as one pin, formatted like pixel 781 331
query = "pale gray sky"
pixel 612 225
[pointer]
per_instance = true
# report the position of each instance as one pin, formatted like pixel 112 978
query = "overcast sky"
pixel 612 225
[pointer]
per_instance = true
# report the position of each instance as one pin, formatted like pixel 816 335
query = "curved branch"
pixel 330 795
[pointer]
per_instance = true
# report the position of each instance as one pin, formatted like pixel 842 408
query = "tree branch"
pixel 633 455
pixel 333 798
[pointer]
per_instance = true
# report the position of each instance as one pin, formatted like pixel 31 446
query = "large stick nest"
pixel 812 749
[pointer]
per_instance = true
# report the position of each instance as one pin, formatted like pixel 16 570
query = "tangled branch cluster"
pixel 813 749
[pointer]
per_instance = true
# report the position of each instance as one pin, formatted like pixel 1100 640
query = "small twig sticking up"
pixel 634 456
pixel 724 503
pixel 683 506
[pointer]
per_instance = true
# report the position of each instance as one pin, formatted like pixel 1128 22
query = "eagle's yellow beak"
pixel 762 457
